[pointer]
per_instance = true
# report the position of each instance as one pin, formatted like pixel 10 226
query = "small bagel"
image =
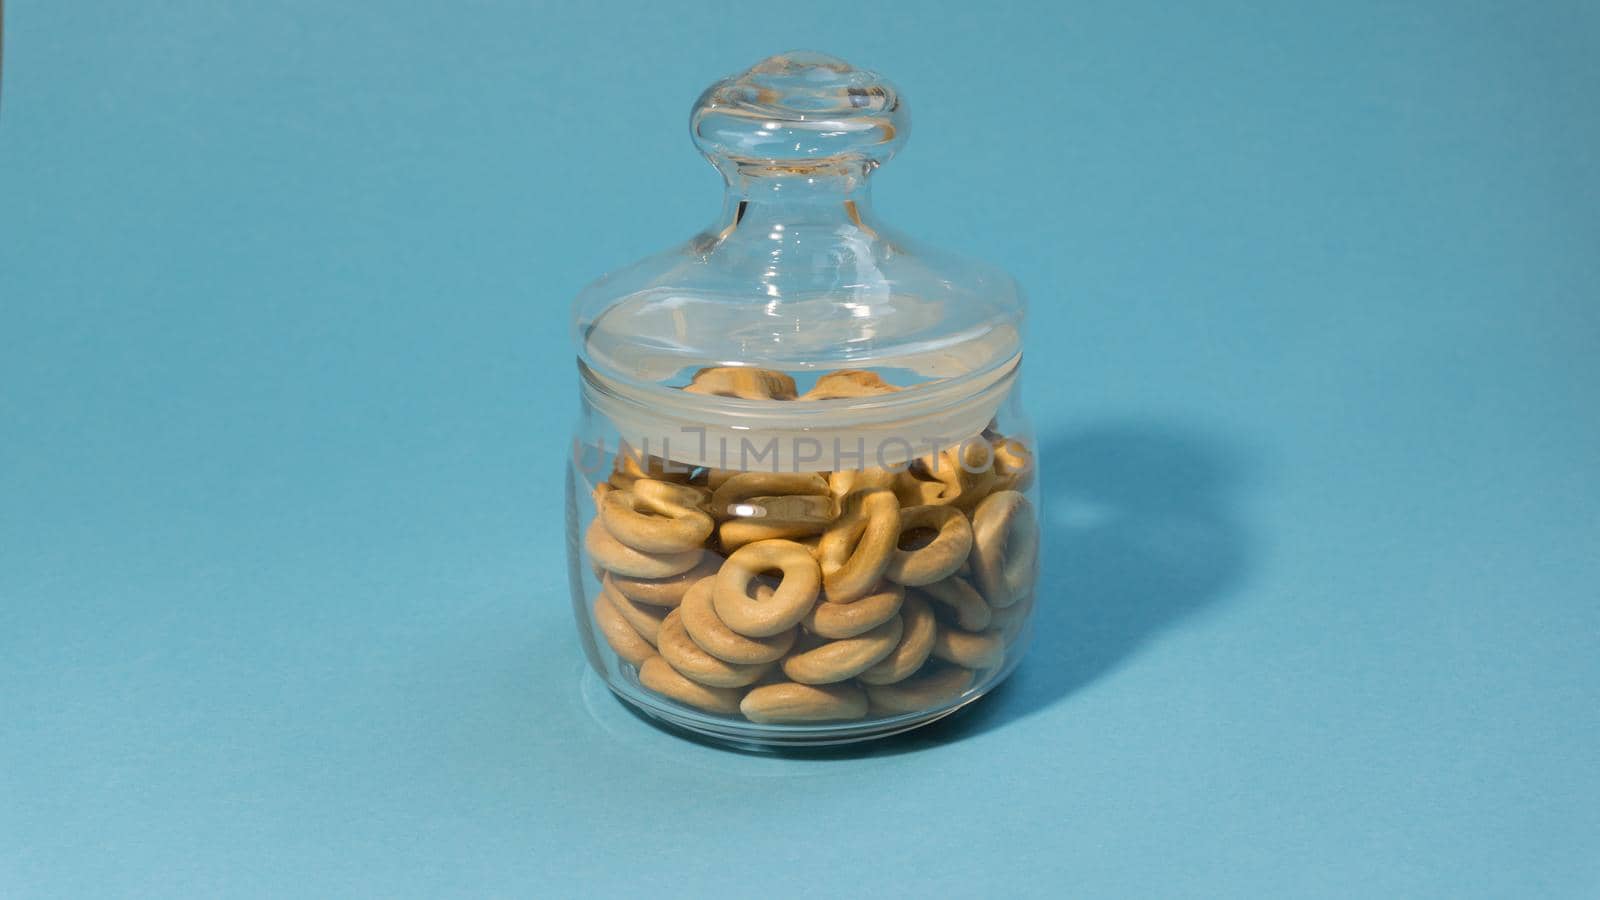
pixel 737 490
pixel 700 619
pixel 857 548
pixel 913 490
pixel 657 675
pixel 1006 540
pixel 963 599
pixel 832 661
pixel 619 634
pixel 983 650
pixel 916 643
pixel 680 650
pixel 670 498
pixel 746 382
pixel 752 616
pixel 937 560
pixel 973 472
pixel 847 481
pixel 810 543
pixel 1009 620
pixel 666 592
pixel 646 620
pixel 716 478
pixel 773 518
pixel 631 465
pixel 846 620
pixel 919 692
pixel 787 702
pixel 657 516
pixel 956 476
pixel 614 556
pixel 1013 465
pixel 846 383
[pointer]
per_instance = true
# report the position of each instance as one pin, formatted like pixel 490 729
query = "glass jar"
pixel 801 505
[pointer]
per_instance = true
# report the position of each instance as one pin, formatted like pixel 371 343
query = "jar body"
pixel 801 502
pixel 786 591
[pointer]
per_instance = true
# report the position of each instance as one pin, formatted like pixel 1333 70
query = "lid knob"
pixel 799 112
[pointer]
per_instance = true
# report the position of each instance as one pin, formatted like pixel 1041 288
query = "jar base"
pixel 739 734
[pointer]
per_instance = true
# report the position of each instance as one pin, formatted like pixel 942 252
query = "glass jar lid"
pixel 797 277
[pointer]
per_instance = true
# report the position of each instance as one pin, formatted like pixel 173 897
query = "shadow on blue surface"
pixel 1140 534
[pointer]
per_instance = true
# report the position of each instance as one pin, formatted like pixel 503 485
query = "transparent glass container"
pixel 801 504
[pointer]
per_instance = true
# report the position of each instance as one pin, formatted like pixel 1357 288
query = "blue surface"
pixel 284 385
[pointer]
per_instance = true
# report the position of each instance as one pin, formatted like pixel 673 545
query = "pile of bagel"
pixel 815 596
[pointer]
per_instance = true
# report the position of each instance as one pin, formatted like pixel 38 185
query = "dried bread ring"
pixel 913 490
pixel 848 481
pixel 981 650
pixel 833 661
pixel 614 556
pixel 773 518
pixel 916 643
pixel 667 591
pixel 746 382
pixel 1009 620
pixel 680 650
pixel 963 599
pixel 857 548
pixel 755 617
pixel 716 478
pixel 630 466
pixel 920 692
pixel 645 619
pixel 671 498
pixel 955 476
pixel 707 630
pixel 810 543
pixel 846 620
pixel 846 383
pixel 627 643
pixel 973 472
pixel 788 702
pixel 657 516
pixel 1006 544
pixel 940 558
pixel 737 490
pixel 1013 465
pixel 659 676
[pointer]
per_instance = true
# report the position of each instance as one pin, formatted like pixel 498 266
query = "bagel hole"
pixel 807 641
pixel 913 539
pixel 943 613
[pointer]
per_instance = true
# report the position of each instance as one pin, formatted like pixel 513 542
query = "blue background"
pixel 285 383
